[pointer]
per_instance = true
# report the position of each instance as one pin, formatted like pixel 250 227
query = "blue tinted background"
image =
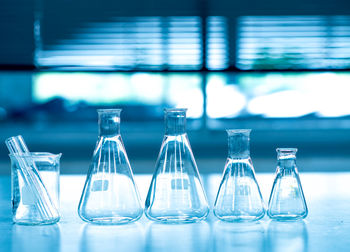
pixel 279 68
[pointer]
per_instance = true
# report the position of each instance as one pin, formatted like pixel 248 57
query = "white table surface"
pixel 327 227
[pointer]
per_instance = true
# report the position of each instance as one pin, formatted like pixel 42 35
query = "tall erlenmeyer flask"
pixel 176 194
pixel 287 201
pixel 110 195
pixel 239 197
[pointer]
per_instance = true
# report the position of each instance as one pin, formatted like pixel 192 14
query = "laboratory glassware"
pixel 287 201
pixel 32 203
pixel 176 194
pixel 110 195
pixel 239 197
pixel 48 166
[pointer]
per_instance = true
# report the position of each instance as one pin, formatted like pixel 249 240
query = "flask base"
pixel 240 218
pixel 110 220
pixel 286 217
pixel 176 219
pixel 36 223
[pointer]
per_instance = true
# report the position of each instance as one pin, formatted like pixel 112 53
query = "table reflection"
pixel 181 237
pixel 128 237
pixel 287 236
pixel 239 236
pixel 36 238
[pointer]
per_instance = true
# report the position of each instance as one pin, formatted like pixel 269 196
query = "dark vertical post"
pixel 203 13
pixel 233 36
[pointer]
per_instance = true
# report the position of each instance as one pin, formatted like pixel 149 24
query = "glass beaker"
pixel 24 209
pixel 110 195
pixel 287 201
pixel 239 197
pixel 176 194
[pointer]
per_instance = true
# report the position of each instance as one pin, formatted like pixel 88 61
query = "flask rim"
pixel 286 150
pixel 111 110
pixel 175 110
pixel 37 155
pixel 232 132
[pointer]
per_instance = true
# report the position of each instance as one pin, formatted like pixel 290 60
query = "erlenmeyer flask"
pixel 176 194
pixel 239 197
pixel 287 201
pixel 110 195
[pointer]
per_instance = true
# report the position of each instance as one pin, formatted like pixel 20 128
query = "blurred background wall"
pixel 279 68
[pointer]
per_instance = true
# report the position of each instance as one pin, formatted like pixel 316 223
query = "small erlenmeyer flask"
pixel 239 197
pixel 287 201
pixel 110 195
pixel 176 194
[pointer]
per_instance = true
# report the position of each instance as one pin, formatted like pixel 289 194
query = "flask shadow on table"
pixel 178 237
pixel 129 237
pixel 239 236
pixel 36 238
pixel 287 236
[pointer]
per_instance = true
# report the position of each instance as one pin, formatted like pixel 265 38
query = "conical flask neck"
pixel 238 144
pixel 175 121
pixel 287 164
pixel 109 122
pixel 286 158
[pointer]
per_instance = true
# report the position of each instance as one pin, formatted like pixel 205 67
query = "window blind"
pixel 128 43
pixel 293 42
